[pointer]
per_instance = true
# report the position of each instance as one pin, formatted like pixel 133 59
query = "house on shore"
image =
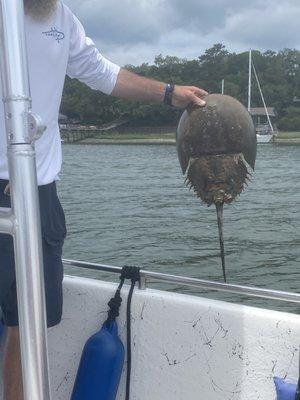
pixel 67 123
pixel 260 118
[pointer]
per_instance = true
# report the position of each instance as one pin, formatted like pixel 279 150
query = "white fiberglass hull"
pixel 184 347
pixel 264 138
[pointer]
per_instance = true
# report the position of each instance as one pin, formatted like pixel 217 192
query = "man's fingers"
pixel 197 96
pixel 184 95
pixel 200 92
pixel 196 100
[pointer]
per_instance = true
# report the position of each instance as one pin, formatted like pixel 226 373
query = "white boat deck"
pixel 184 347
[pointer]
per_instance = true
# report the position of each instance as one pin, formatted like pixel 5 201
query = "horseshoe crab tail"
pixel 219 208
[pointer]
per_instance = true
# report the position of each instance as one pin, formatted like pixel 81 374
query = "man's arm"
pixel 135 87
pixel 90 67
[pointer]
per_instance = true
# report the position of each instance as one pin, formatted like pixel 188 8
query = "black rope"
pixel 128 316
pixel 132 273
pixel 297 396
pixel 115 302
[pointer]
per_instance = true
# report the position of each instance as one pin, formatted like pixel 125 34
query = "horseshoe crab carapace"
pixel 216 144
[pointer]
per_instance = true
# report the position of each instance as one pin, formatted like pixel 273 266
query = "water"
pixel 128 205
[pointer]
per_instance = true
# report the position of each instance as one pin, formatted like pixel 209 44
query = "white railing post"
pixel 23 220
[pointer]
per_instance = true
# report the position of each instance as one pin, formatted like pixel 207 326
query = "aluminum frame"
pixel 22 221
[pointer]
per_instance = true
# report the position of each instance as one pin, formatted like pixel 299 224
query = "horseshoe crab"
pixel 216 144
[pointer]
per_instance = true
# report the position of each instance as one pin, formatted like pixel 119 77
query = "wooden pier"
pixel 76 133
pixel 75 136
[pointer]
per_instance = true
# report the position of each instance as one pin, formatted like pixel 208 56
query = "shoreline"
pixel 287 142
pixel 97 142
pixel 92 141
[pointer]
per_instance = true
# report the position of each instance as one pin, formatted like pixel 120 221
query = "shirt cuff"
pixel 108 80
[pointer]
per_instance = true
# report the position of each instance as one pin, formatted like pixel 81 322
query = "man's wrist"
pixel 169 94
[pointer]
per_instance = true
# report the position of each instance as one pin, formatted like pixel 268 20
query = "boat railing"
pixel 22 221
pixel 149 276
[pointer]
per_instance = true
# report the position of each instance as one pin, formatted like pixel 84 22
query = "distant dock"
pixel 92 141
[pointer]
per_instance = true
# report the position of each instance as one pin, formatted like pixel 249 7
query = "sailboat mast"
pixel 250 80
pixel 263 99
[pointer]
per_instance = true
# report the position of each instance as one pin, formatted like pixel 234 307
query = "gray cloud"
pixel 134 31
pixel 273 25
pixel 132 21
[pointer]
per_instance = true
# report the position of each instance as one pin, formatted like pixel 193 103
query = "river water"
pixel 128 205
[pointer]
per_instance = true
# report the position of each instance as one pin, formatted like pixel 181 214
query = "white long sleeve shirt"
pixel 55 48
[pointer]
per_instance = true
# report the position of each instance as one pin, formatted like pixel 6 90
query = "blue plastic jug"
pixel 100 366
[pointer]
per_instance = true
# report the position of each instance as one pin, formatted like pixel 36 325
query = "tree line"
pixel 279 75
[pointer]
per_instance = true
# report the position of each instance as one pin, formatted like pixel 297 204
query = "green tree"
pixel 279 75
pixel 291 119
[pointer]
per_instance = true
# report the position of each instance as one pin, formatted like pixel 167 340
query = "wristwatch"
pixel 168 94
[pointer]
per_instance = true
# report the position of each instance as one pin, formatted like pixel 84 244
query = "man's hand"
pixel 136 87
pixel 184 95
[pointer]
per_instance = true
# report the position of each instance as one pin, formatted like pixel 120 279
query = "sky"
pixel 135 31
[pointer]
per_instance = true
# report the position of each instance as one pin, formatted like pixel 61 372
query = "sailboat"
pixel 265 133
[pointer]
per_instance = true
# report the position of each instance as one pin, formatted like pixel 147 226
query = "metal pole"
pixel 149 276
pixel 249 80
pixel 223 86
pixel 20 123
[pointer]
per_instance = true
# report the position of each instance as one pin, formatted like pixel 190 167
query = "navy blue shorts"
pixel 53 235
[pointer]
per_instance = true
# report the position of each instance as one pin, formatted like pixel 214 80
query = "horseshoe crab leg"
pixel 219 209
